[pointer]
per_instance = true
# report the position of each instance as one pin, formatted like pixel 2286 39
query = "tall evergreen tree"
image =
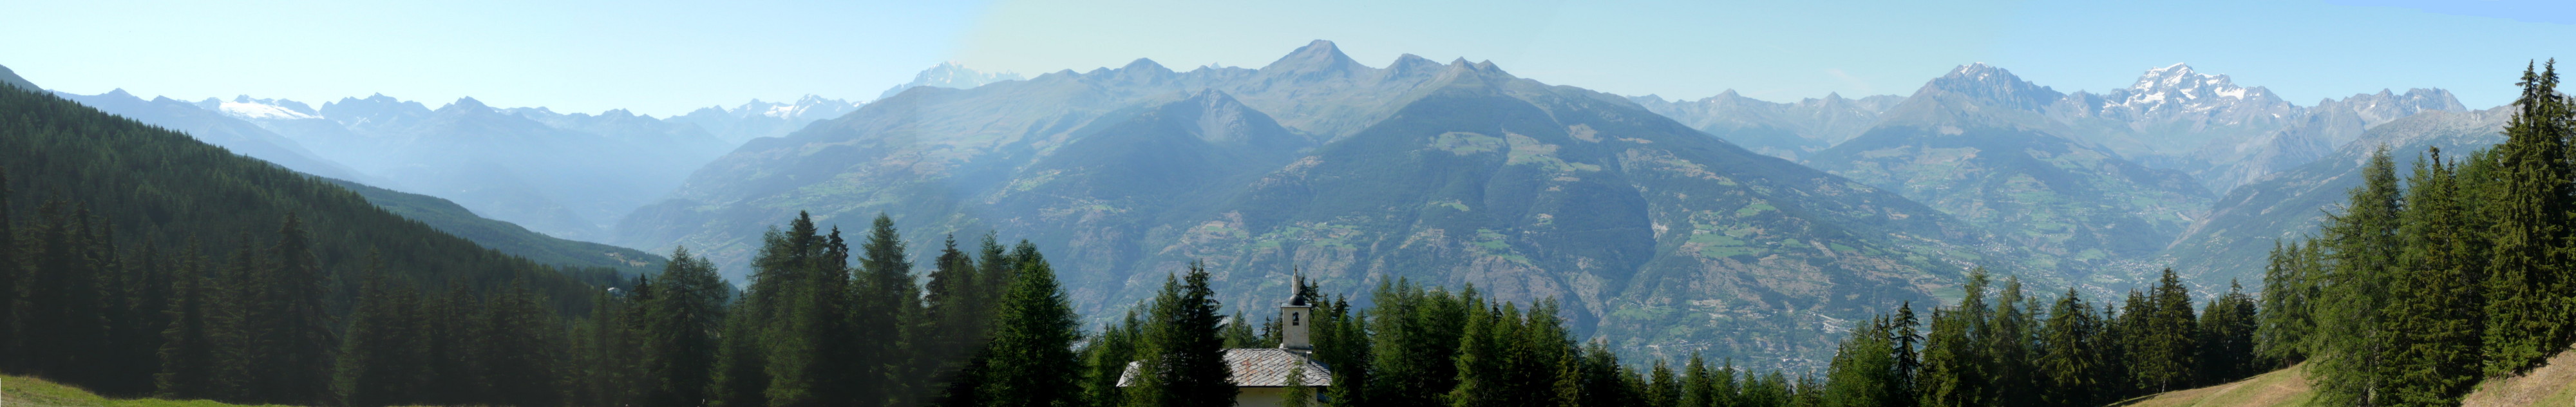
pixel 2529 259
pixel 380 362
pixel 2437 323
pixel 1863 371
pixel 1030 361
pixel 292 340
pixel 682 321
pixel 888 305
pixel 2365 243
pixel 2070 359
pixel 2166 357
pixel 2007 343
pixel 188 349
pixel 952 305
pixel 2286 315
pixel 1184 360
pixel 2226 331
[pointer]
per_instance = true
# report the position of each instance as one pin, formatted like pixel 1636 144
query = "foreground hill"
pixel 2553 384
pixel 1448 174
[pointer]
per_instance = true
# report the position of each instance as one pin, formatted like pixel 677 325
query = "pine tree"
pixel 888 305
pixel 1184 360
pixel 291 339
pixel 2007 343
pixel 2286 315
pixel 2351 355
pixel 2167 355
pixel 64 279
pixel 381 359
pixel 2529 250
pixel 1030 362
pixel 1107 359
pixel 2435 330
pixel 1863 371
pixel 1238 332
pixel 1415 334
pixel 1698 388
pixel 1662 389
pixel 1481 363
pixel 741 377
pixel 2226 331
pixel 951 302
pixel 2070 362
pixel 682 322
pixel 1904 334
pixel 1341 339
pixel 519 349
pixel 188 349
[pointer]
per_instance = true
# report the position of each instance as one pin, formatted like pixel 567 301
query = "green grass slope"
pixel 23 391
pixel 2552 384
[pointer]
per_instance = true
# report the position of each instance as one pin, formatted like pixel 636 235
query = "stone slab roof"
pixel 1259 367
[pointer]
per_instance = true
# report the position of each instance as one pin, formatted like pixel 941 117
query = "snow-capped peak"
pixel 265 109
pixel 2177 86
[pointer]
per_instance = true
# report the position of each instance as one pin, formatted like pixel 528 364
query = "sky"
pixel 669 57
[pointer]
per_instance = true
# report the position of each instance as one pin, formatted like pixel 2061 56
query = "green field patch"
pixel 1464 143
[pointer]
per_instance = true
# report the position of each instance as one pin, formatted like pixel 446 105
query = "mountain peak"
pixel 468 103
pixel 952 75
pixel 1993 85
pixel 1316 57
pixel 1144 64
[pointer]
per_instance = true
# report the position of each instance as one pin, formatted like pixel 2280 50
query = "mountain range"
pixel 1454 174
pixel 1729 225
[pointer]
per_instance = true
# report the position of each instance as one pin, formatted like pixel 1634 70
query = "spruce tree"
pixel 1184 360
pixel 682 321
pixel 380 360
pixel 2226 331
pixel 2353 347
pixel 1863 371
pixel 2436 327
pixel 951 304
pixel 2528 266
pixel 1030 361
pixel 2070 359
pixel 188 349
pixel 2007 343
pixel 1662 389
pixel 888 307
pixel 2285 315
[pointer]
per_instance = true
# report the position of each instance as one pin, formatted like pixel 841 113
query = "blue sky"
pixel 665 57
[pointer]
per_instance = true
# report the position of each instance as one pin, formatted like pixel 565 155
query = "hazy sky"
pixel 666 57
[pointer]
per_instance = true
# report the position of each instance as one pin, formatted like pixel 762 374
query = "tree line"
pixel 2423 286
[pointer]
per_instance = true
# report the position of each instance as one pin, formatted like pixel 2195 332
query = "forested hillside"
pixel 106 219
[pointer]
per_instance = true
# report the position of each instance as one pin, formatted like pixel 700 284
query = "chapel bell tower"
pixel 1295 316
